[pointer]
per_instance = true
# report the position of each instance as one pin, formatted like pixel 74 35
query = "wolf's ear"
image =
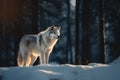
pixel 52 27
pixel 60 28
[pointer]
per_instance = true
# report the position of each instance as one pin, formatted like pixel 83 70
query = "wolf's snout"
pixel 59 37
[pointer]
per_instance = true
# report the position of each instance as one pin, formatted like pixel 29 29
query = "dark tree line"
pixel 18 18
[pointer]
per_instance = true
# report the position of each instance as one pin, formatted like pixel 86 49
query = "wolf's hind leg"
pixel 20 59
pixel 33 59
pixel 27 59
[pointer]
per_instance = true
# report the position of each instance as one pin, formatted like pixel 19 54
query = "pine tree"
pixel 77 27
pixel 85 33
pixel 34 7
pixel 69 47
pixel 102 31
pixel 18 29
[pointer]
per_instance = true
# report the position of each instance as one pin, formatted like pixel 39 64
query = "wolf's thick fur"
pixel 40 45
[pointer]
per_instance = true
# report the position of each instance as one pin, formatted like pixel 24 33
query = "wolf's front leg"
pixel 46 58
pixel 42 58
pixel 47 55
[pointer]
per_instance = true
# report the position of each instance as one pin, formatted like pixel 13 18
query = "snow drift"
pixel 93 71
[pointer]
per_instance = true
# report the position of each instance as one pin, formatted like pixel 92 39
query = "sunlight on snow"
pixel 98 65
pixel 49 72
pixel 1 69
pixel 86 67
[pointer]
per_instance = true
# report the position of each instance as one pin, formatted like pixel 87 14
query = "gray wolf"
pixel 38 45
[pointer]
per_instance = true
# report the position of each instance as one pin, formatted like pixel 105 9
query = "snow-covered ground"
pixel 93 71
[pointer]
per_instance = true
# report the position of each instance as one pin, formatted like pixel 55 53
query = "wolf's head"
pixel 54 32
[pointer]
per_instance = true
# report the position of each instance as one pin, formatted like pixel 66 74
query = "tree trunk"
pixel 18 29
pixel 102 31
pixel 77 26
pixel 3 32
pixel 34 16
pixel 1 24
pixel 69 47
pixel 85 33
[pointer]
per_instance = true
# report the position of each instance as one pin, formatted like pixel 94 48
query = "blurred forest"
pixel 90 29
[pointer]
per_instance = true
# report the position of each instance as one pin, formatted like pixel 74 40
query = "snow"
pixel 92 71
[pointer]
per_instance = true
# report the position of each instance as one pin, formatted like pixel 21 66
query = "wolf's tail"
pixel 20 60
